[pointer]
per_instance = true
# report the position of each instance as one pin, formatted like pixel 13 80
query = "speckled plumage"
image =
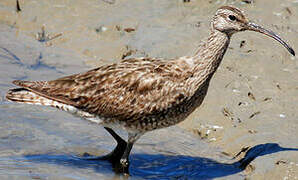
pixel 142 94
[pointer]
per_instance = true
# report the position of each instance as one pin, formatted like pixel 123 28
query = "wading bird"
pixel 141 94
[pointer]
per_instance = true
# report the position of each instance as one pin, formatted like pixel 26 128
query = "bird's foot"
pixel 122 167
pixel 124 162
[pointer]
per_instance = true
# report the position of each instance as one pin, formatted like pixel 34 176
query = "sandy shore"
pixel 252 99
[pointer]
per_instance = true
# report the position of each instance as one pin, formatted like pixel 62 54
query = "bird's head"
pixel 230 20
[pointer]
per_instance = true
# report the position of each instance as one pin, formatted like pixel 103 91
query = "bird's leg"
pixel 116 154
pixel 119 157
pixel 123 165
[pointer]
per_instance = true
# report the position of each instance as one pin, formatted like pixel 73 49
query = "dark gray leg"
pixel 116 154
pixel 119 157
pixel 124 161
pixel 123 164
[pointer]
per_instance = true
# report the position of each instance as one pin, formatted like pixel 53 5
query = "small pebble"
pixel 208 131
pixel 236 91
pixel 109 1
pixel 227 113
pixel 286 70
pixel 251 96
pixel 217 127
pixel 254 114
pixel 213 126
pixel 281 162
pixel 212 139
pixel 288 10
pixel 242 43
pixel 129 30
pixel 255 77
pixel 252 131
pixel 267 99
pixel 277 14
pixel 101 29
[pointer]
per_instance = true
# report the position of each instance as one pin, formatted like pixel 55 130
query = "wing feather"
pixel 126 90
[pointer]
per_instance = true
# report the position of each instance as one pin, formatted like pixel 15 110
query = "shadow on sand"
pixel 165 166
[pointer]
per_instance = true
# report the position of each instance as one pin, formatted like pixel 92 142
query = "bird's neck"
pixel 208 56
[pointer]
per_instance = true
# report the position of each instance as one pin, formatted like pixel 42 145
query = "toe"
pixel 124 162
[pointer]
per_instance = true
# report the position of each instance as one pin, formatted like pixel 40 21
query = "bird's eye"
pixel 232 17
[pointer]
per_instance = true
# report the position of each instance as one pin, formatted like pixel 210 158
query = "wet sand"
pixel 252 100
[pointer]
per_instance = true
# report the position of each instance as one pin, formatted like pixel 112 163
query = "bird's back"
pixel 128 91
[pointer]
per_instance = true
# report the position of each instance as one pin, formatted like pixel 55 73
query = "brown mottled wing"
pixel 125 90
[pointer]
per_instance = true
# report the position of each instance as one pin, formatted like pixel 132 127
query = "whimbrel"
pixel 141 94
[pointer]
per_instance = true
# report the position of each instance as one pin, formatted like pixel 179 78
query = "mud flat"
pixel 250 110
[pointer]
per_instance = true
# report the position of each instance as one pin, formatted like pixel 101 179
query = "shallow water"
pixel 43 143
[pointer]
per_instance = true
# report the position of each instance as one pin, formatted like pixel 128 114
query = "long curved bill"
pixel 254 27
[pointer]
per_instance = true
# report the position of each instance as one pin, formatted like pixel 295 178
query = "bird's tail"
pixel 23 95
